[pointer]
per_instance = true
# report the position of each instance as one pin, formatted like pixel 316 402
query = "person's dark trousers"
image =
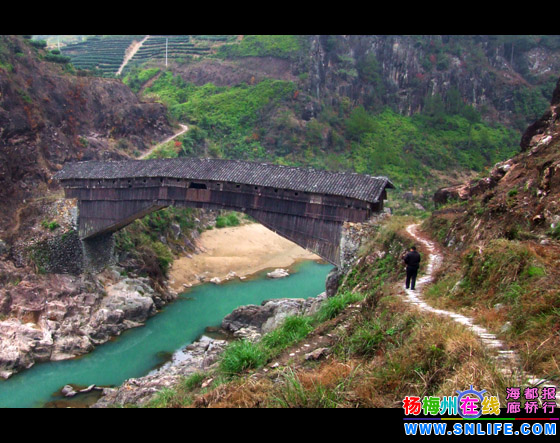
pixel 411 278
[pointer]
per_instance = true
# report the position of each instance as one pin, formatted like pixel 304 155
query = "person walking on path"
pixel 412 261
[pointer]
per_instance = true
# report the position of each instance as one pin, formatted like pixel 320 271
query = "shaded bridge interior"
pixel 303 205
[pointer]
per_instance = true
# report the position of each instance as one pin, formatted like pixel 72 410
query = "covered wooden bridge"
pixel 304 205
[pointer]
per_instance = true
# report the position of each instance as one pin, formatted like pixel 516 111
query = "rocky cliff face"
pixel 487 72
pixel 49 116
pixel 545 129
pixel 56 317
pixel 506 78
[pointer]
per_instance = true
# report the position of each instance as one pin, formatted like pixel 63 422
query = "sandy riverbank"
pixel 245 250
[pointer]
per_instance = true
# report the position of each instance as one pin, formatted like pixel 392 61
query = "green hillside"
pixel 454 106
pixel 260 122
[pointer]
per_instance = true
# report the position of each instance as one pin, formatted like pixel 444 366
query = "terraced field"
pixel 177 46
pixel 106 53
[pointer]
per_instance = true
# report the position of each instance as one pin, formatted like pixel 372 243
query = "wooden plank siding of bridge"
pixel 304 205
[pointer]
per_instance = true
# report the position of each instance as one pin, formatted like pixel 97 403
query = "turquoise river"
pixel 138 351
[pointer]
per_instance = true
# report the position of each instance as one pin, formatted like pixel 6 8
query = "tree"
pixel 369 70
pixel 453 101
pixel 359 123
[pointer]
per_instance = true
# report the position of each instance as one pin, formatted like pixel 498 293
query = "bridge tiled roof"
pixel 352 185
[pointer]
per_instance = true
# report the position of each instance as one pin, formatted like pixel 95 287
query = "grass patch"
pixel 229 220
pixel 136 77
pixel 242 355
pixel 333 306
pixel 180 395
pixel 50 225
pixel 283 46
pixel 326 388
pixel 509 286
pixel 166 398
pixel 293 330
pixel 422 355
pixel 167 150
pixel 501 263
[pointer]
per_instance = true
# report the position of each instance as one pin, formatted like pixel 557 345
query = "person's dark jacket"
pixel 412 260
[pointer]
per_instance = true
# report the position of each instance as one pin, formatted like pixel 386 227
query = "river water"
pixel 138 351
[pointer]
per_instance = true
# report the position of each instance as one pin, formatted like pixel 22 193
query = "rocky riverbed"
pixel 56 317
pixel 51 317
pixel 246 322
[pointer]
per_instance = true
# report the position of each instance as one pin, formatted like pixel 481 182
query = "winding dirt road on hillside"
pixel 184 128
pixel 507 360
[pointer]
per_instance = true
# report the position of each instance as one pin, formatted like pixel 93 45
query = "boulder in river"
pixel 278 273
pixel 68 391
pixel 270 314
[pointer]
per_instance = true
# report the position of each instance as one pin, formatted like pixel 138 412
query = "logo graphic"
pixel 468 406
pixel 469 402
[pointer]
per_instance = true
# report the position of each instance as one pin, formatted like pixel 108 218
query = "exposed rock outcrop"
pixel 270 314
pixel 353 237
pixel 402 70
pixel 542 131
pixel 49 116
pixel 199 356
pixel 246 322
pixel 57 317
pixel 472 188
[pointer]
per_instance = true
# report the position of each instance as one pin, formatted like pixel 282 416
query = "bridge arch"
pixel 304 205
